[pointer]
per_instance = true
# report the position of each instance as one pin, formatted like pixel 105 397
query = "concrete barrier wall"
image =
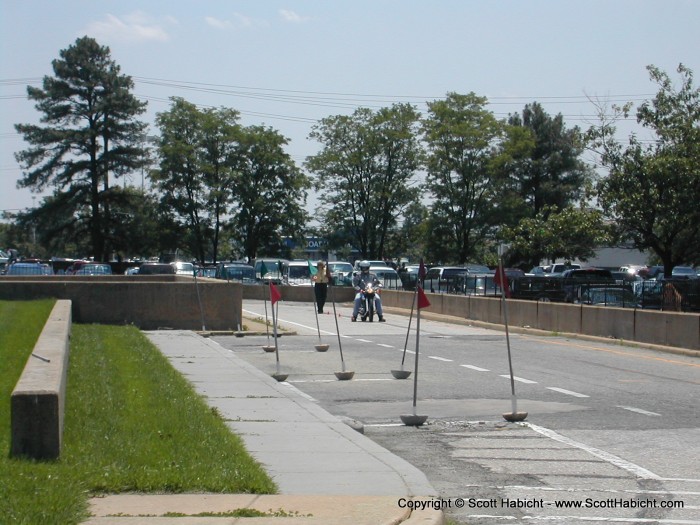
pixel 148 304
pixel 38 401
pixel 676 329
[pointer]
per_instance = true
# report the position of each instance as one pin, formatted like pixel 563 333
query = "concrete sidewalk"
pixel 327 472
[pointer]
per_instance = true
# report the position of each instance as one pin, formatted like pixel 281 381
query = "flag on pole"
pixel 422 299
pixel 263 269
pixel 312 269
pixel 501 280
pixel 275 294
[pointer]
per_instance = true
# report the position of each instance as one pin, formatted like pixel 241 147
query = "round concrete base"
pixel 401 374
pixel 412 420
pixel 280 377
pixel 322 347
pixel 268 348
pixel 344 376
pixel 515 416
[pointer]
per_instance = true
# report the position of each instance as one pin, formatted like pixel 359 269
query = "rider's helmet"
pixel 364 266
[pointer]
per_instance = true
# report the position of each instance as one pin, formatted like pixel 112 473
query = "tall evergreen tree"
pixel 90 133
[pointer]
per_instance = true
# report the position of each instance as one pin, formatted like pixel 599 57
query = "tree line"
pixel 449 185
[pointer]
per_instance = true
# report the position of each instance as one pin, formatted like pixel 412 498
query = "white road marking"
pixel 385 346
pixel 567 392
pixel 302 394
pixel 478 369
pixel 605 456
pixel 639 411
pixel 438 358
pixel 522 380
pixel 363 340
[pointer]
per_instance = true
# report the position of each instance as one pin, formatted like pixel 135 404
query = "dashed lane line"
pixel 520 379
pixel 567 392
pixel 639 411
pixel 438 358
pixel 477 368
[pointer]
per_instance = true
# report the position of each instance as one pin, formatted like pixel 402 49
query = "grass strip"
pixel 132 424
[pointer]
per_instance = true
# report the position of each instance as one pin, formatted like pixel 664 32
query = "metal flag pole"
pixel 414 419
pixel 405 374
pixel 513 415
pixel 199 300
pixel 343 375
pixel 277 375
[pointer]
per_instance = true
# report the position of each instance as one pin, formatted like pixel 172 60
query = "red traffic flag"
pixel 501 280
pixel 275 294
pixel 422 299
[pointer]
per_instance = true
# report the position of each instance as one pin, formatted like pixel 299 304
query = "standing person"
pixel 320 285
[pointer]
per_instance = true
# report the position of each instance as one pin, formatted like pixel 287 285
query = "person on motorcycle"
pixel 360 282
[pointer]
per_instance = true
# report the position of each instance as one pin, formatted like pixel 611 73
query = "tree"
pixel 653 189
pixel 571 233
pixel 461 135
pixel 197 159
pixel 365 173
pixel 269 193
pixel 540 171
pixel 91 132
pixel 550 173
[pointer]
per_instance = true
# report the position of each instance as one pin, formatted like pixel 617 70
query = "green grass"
pixel 132 423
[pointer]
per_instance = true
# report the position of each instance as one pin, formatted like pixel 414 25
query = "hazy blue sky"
pixel 288 64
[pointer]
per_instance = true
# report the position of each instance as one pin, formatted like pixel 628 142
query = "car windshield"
pixel 299 272
pixel 95 269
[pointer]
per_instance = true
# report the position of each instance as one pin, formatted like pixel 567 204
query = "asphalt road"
pixel 611 428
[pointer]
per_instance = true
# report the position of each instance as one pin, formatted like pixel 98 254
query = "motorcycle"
pixel 367 302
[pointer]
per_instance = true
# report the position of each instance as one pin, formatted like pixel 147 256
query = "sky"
pixel 288 64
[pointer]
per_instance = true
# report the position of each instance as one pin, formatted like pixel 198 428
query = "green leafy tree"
pixel 652 190
pixel 571 233
pixel 269 193
pixel 89 133
pixel 198 153
pixel 461 137
pixel 365 174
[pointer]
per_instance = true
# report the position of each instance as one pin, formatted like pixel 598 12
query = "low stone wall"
pixel 681 330
pixel 147 302
pixel 38 401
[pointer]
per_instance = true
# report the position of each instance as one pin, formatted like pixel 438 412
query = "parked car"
pixel 274 269
pixel 184 268
pixel 445 278
pixel 371 263
pixel 29 268
pixel 341 272
pixel 235 271
pixel 296 273
pixel 574 279
pixel 537 288
pixel 387 276
pixel 153 268
pixel 619 296
pixel 94 269
pixel 683 272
